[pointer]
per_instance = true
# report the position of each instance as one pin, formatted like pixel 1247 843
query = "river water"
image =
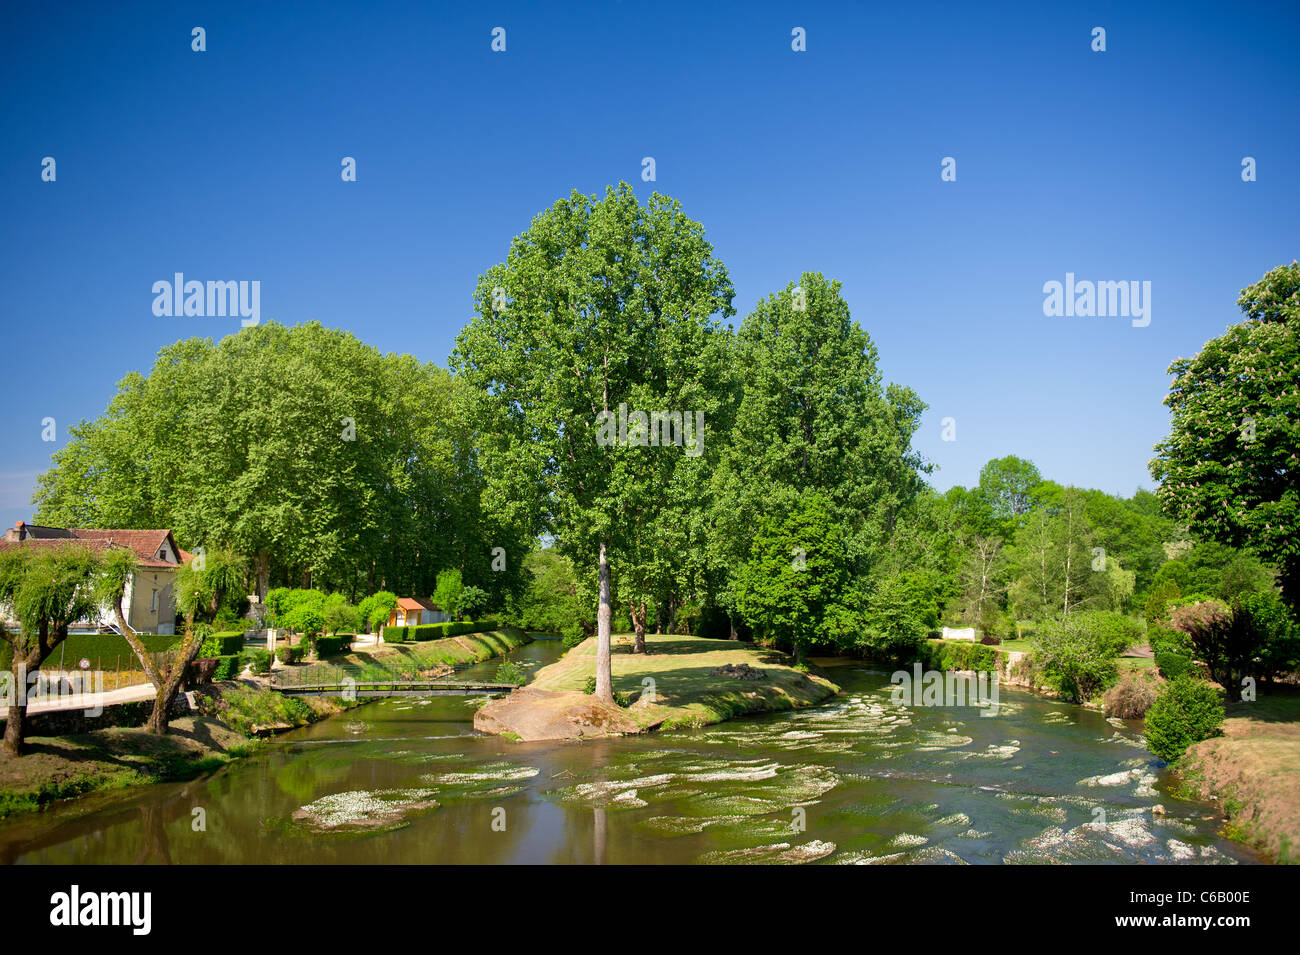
pixel 857 780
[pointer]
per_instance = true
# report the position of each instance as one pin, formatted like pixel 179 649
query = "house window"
pixel 153 602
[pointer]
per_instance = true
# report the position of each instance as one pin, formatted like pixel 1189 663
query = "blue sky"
pixel 1122 165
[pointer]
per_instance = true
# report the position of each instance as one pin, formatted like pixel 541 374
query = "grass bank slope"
pixel 1253 770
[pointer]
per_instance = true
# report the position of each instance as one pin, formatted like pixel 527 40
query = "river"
pixel 857 780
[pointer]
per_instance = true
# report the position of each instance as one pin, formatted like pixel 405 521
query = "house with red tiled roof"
pixel 150 600
pixel 413 611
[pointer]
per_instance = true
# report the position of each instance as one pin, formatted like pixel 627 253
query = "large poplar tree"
pixel 602 306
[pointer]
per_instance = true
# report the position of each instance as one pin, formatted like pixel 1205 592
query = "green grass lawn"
pixel 686 694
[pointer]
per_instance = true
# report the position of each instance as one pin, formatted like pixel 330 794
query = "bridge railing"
pixel 323 673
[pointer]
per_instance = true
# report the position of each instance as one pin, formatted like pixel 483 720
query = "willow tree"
pixel 46 590
pixel 602 309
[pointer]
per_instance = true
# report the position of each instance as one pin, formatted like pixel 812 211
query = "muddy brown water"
pixel 857 780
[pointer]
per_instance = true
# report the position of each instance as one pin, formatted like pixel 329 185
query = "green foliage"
pixel 1074 661
pixel 473 601
pixel 339 615
pixel 238 441
pixel 957 655
pixel 376 609
pixel 1114 633
pixel 572 636
pixel 291 654
pixel 797 574
pixel 896 619
pixel 332 646
pixel 550 602
pixel 259 660
pixel 449 593
pixel 222 644
pixel 244 709
pixel 1187 711
pixel 511 672
pixel 1173 664
pixel 228 667
pixel 1236 426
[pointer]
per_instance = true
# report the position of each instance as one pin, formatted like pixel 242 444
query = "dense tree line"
pixel 758 481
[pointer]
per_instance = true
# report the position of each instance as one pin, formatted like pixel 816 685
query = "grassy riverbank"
pixel 1253 772
pixel 687 690
pixel 450 651
pixel 54 768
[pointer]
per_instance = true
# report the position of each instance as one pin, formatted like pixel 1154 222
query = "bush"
pixel 228 668
pixel 393 634
pixel 1174 664
pixel 259 660
pixel 1132 696
pixel 292 654
pixel 511 672
pixel 225 644
pixel 332 646
pixel 1187 711
pixel 572 635
pixel 1077 663
pixel 1112 632
pixel 1168 640
pixel 960 655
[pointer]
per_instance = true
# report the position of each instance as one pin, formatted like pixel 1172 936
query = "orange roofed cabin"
pixel 413 611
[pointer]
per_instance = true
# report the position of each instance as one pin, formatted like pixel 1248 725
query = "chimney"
pixel 17 532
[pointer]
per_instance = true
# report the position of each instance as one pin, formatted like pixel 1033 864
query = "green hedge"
pixel 963 655
pixel 393 634
pixel 260 660
pixel 222 644
pixel 228 667
pixel 436 631
pixel 331 646
pixel 1174 664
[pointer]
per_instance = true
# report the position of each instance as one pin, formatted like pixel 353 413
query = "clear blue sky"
pixel 1123 165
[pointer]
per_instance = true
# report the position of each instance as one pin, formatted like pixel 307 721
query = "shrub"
pixel 1174 664
pixel 292 654
pixel 228 668
pixel 339 615
pixel 511 672
pixel 1168 640
pixel 332 646
pixel 259 660
pixel 1228 640
pixel 990 641
pixel 393 634
pixel 1075 662
pixel 1112 632
pixel 222 644
pixel 961 655
pixel 1132 696
pixel 572 635
pixel 1187 711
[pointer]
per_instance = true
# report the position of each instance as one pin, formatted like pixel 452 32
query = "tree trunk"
pixel 167 693
pixel 13 742
pixel 638 625
pixel 604 613
pixel 262 567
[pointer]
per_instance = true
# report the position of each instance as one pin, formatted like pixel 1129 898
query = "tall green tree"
pixel 603 307
pixel 815 416
pixel 1230 468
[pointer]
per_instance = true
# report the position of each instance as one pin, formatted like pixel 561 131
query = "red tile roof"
pixel 144 543
pixel 416 603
